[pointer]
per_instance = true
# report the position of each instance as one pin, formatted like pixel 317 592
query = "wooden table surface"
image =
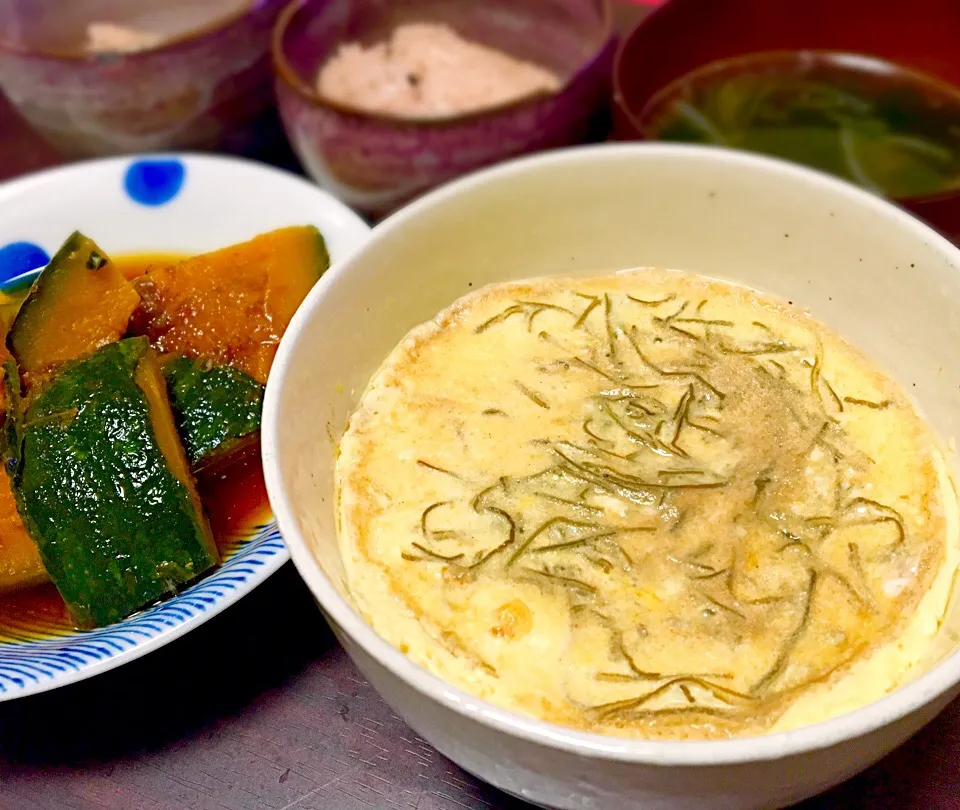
pixel 260 709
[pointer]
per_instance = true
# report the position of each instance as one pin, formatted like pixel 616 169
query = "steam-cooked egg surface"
pixel 647 504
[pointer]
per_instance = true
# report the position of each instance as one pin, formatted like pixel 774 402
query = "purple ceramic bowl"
pixel 377 162
pixel 200 89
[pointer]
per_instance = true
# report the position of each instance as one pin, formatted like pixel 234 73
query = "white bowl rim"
pixel 899 703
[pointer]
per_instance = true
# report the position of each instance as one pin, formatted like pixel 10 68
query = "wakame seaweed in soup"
pixel 889 129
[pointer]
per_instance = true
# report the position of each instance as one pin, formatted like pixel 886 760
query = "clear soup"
pixel 889 129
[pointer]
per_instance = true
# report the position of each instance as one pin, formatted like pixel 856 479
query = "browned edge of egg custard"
pixel 648 504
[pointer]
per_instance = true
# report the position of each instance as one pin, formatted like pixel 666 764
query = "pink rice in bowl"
pixel 427 70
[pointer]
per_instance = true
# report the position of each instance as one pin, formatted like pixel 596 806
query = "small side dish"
pixel 652 505
pixel 383 101
pixel 103 77
pixel 131 394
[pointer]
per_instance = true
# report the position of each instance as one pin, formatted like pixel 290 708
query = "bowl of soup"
pixel 877 104
pixel 623 473
pixel 384 101
pixel 109 77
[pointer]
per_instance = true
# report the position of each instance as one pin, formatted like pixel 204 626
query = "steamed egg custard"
pixel 648 504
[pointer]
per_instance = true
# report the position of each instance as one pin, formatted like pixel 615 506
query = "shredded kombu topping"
pixel 703 508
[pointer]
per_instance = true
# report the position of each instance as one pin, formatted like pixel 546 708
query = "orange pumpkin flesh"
pixel 20 563
pixel 231 306
pixel 80 302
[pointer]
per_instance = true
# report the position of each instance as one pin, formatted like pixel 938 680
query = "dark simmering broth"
pixel 235 498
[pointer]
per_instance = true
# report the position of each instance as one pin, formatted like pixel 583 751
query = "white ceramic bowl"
pixel 883 279
pixel 162 204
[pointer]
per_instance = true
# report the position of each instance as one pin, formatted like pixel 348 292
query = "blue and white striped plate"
pixel 164 204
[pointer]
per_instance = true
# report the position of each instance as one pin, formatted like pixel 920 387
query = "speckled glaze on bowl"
pixel 203 90
pixel 885 280
pixel 375 163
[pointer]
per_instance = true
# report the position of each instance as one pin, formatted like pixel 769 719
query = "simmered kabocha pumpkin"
pixel 102 432
pixel 231 307
pixel 80 302
pixel 20 563
pixel 9 307
pixel 104 487
pixel 216 408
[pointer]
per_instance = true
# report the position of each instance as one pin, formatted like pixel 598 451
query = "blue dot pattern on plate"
pixel 19 257
pixel 154 182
